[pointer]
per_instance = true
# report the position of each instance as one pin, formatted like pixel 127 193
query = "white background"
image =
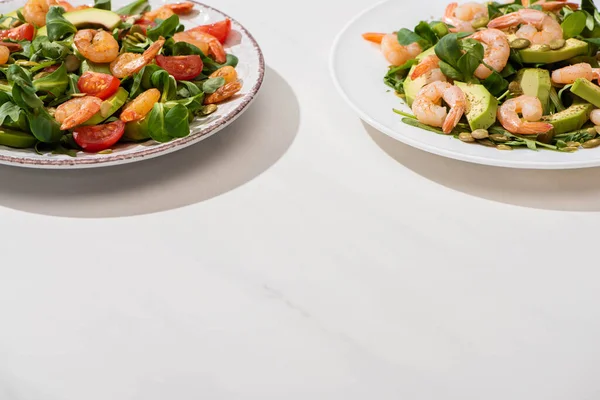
pixel 299 254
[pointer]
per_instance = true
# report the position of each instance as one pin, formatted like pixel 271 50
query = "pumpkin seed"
pixel 557 44
pixel 569 149
pixel 503 147
pixel 107 151
pixel 590 144
pixel 497 137
pixel 480 134
pixel 480 22
pixel 544 47
pixel 593 131
pixel 597 129
pixel 486 143
pixel 208 109
pixel 466 137
pixel 520 44
pixel 573 144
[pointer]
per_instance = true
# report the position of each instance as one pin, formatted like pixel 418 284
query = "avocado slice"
pixel 89 17
pixel 571 119
pixel 411 88
pixel 136 131
pixel 87 65
pixel 587 91
pixel 16 139
pixel 109 107
pixel 535 54
pixel 13 14
pixel 481 105
pixel 536 82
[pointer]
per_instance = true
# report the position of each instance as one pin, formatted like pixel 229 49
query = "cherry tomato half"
pixel 93 139
pixel 97 84
pixel 145 24
pixel 23 32
pixel 183 68
pixel 220 30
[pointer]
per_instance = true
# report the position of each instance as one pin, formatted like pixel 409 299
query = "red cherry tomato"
pixel 51 68
pixel 183 68
pixel 100 85
pixel 23 32
pixel 145 24
pixel 93 139
pixel 220 30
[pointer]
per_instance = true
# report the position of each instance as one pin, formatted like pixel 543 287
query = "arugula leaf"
pixel 396 76
pixel 57 25
pixel 574 24
pixel 43 126
pixel 165 28
pixel 56 83
pixel 102 4
pixel 134 8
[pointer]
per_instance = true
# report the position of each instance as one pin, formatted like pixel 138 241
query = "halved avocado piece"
pixel 536 55
pixel 570 119
pixel 89 17
pixel 587 91
pixel 536 82
pixel 5 24
pixel 109 107
pixel 481 105
pixel 136 131
pixel 16 139
pixel 411 88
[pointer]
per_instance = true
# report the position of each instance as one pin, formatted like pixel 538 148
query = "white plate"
pixel 251 70
pixel 358 68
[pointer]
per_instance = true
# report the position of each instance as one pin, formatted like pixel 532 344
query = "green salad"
pixel 518 75
pixel 87 78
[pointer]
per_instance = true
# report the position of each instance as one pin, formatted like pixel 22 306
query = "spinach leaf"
pixel 193 104
pixel 134 8
pixel 11 111
pixel 177 119
pixel 157 126
pixel 43 126
pixel 102 4
pixel 448 49
pixel 574 24
pixel 406 37
pixel 23 91
pixel 213 84
pixel 165 83
pixel 588 5
pixel 56 83
pixel 57 25
pixel 165 28
pixel 424 30
pixel 44 49
pixel 471 59
pixel 187 89
pixel 495 84
pixel 396 76
pixel 450 71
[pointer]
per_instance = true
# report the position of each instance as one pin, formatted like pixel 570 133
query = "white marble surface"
pixel 299 255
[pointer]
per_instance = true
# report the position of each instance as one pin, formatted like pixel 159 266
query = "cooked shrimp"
pixel 4 54
pixel 140 106
pixel 224 92
pixel 397 54
pixel 595 117
pixel 208 44
pixel 34 11
pixel 570 74
pixel 463 16
pixel 76 111
pixel 168 10
pixel 428 109
pixel 546 28
pixel 531 109
pixel 69 7
pixel 97 46
pixel 497 51
pixel 429 68
pixel 228 73
pixel 129 63
pixel 555 5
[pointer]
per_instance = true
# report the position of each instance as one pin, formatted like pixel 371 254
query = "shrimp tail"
pixel 506 21
pixel 532 128
pixel 425 66
pixel 373 37
pixel 449 16
pixel 453 118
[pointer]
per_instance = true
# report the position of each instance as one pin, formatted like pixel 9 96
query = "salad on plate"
pixel 516 75
pixel 87 78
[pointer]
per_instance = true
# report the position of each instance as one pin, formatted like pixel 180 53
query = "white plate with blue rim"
pixel 251 69
pixel 358 68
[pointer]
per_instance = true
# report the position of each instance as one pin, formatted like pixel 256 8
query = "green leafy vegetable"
pixel 102 4
pixel 211 85
pixel 134 8
pixel 574 24
pixel 164 28
pixel 177 119
pixel 58 26
pixel 56 83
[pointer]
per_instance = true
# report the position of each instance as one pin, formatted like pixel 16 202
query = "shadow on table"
pixel 565 190
pixel 223 162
